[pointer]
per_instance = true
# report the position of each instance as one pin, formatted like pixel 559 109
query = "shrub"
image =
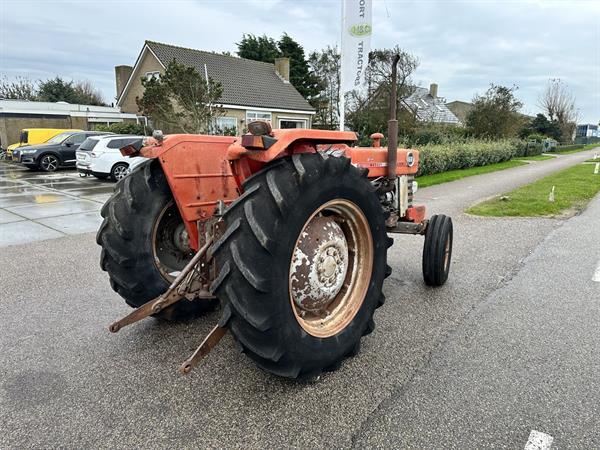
pixel 425 137
pixel 122 128
pixel 537 137
pixel 568 147
pixel 436 158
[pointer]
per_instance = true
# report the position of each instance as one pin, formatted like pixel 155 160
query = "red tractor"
pixel 286 229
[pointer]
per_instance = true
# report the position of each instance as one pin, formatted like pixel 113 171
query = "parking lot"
pixel 36 206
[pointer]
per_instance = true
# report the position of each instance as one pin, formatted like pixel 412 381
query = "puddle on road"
pixel 19 190
pixel 65 185
pixel 9 183
pixel 92 191
pixel 40 199
pixel 48 180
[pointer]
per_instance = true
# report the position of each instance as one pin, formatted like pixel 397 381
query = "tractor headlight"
pixel 410 159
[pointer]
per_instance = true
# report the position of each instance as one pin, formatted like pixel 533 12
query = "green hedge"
pixel 123 128
pixel 436 158
pixel 569 147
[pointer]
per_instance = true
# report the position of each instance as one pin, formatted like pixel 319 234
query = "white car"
pixel 100 156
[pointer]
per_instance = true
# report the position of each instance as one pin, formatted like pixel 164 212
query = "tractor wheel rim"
pixel 121 172
pixel 49 163
pixel 330 268
pixel 170 245
pixel 447 254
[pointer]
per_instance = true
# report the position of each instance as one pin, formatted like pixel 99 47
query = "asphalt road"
pixel 508 345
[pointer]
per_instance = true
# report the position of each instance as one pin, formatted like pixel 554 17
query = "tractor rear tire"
pixel 256 264
pixel 128 238
pixel 437 250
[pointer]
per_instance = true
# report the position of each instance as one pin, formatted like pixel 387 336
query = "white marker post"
pixel 597 168
pixel 551 196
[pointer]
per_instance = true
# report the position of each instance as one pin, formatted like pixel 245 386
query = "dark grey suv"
pixel 57 152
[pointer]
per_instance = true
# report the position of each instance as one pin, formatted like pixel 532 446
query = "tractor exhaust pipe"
pixel 392 156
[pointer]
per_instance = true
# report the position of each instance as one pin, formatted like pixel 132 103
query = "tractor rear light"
pixel 252 142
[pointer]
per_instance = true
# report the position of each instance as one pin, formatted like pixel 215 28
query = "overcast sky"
pixel 462 45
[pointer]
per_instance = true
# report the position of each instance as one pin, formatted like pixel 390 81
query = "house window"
pixel 150 75
pixel 226 126
pixel 290 122
pixel 252 116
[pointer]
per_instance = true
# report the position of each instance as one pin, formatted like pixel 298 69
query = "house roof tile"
pixel 428 108
pixel 245 82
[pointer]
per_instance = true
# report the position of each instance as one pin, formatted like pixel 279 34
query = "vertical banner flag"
pixel 356 42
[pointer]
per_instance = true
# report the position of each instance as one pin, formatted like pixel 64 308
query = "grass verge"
pixel 574 188
pixel 452 175
pixel 577 150
pixel 535 158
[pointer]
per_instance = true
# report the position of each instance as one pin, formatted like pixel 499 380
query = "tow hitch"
pixel 183 287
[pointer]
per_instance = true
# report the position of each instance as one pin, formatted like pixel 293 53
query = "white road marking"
pixel 538 441
pixel 596 276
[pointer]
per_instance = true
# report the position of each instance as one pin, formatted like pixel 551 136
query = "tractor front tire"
pixel 437 250
pixel 301 264
pixel 138 246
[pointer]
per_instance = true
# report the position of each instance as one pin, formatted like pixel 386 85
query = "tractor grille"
pixel 410 189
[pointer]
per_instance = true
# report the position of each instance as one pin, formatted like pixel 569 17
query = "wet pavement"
pixel 35 206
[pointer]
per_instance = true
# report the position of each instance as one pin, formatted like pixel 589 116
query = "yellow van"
pixel 32 136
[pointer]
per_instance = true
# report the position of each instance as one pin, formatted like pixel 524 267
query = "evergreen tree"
pixel 495 113
pixel 266 49
pixel 301 78
pixel 261 48
pixel 57 90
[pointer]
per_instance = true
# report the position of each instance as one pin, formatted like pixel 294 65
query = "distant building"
pixel 587 134
pixel 587 130
pixel 252 90
pixel 18 114
pixel 460 109
pixel 428 107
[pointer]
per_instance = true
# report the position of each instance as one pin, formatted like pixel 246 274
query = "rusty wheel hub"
pixel 319 264
pixel 170 243
pixel 331 268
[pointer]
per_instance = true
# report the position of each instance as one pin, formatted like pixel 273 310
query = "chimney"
pixel 282 66
pixel 433 90
pixel 122 74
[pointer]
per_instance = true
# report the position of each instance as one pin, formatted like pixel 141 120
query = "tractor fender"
pixel 198 174
pixel 287 139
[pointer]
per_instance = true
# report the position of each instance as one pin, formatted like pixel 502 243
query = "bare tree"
pixel 88 94
pixel 558 102
pixel 20 88
pixel 368 109
pixel 325 66
pixel 378 78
